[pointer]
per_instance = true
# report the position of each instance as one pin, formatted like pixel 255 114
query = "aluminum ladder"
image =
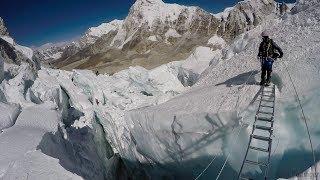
pixel 264 115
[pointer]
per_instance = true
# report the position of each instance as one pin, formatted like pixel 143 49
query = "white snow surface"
pixel 217 41
pixel 201 58
pixel 104 28
pixel 152 10
pixel 26 51
pixel 224 15
pixel 52 50
pixel 95 33
pixel 153 38
pixel 172 33
pixel 8 114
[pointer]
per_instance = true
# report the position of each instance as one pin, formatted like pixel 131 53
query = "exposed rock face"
pixel 11 52
pixel 7 51
pixel 3 29
pixel 155 33
pixel 245 16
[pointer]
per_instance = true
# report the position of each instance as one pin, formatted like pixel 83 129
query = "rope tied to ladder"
pixel 305 120
pixel 224 164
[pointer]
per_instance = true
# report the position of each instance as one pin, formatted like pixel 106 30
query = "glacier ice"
pixel 8 114
pixel 152 124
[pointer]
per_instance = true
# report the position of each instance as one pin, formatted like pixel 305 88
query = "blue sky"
pixel 35 22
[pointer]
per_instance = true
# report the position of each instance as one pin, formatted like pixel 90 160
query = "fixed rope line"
pixel 225 162
pixel 214 157
pixel 237 106
pixel 305 120
pixel 212 160
pixel 205 168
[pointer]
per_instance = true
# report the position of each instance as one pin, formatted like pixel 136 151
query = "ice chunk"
pixel 8 115
pixel 200 59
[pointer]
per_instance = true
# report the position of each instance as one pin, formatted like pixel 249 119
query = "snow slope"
pixel 156 10
pixel 95 33
pixel 22 157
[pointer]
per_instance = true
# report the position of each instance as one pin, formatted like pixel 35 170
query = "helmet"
pixel 265 33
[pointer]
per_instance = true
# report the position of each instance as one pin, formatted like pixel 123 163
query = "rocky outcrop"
pixel 3 29
pixel 7 51
pixel 11 52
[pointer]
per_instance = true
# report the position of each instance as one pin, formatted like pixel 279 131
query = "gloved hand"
pixel 275 56
pixel 281 56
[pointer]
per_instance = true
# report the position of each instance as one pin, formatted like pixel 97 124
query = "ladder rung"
pixel 268 91
pixel 267 100
pixel 258 149
pixel 267 106
pixel 262 112
pixel 267 95
pixel 261 138
pixel 256 163
pixel 263 128
pixel 245 178
pixel 265 119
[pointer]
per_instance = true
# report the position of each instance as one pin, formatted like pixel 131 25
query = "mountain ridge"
pixel 155 33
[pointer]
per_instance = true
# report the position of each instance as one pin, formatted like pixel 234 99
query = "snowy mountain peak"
pixel 148 2
pixel 94 33
pixel 51 45
pixel 150 11
pixel 104 28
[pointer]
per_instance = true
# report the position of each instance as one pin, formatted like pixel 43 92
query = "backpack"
pixel 267 48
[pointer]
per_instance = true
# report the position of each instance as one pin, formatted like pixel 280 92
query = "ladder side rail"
pixel 250 139
pixel 270 145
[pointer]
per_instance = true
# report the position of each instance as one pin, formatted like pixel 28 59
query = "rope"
pixel 237 106
pixel 225 162
pixel 214 158
pixel 205 168
pixel 305 120
pixel 242 85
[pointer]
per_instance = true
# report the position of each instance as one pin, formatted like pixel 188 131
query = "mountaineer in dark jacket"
pixel 269 51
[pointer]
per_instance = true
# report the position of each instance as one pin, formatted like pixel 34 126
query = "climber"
pixel 269 51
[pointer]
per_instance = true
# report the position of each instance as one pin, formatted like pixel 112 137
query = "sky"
pixel 36 22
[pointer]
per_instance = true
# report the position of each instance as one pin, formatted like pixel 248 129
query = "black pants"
pixel 265 72
pixel 266 68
